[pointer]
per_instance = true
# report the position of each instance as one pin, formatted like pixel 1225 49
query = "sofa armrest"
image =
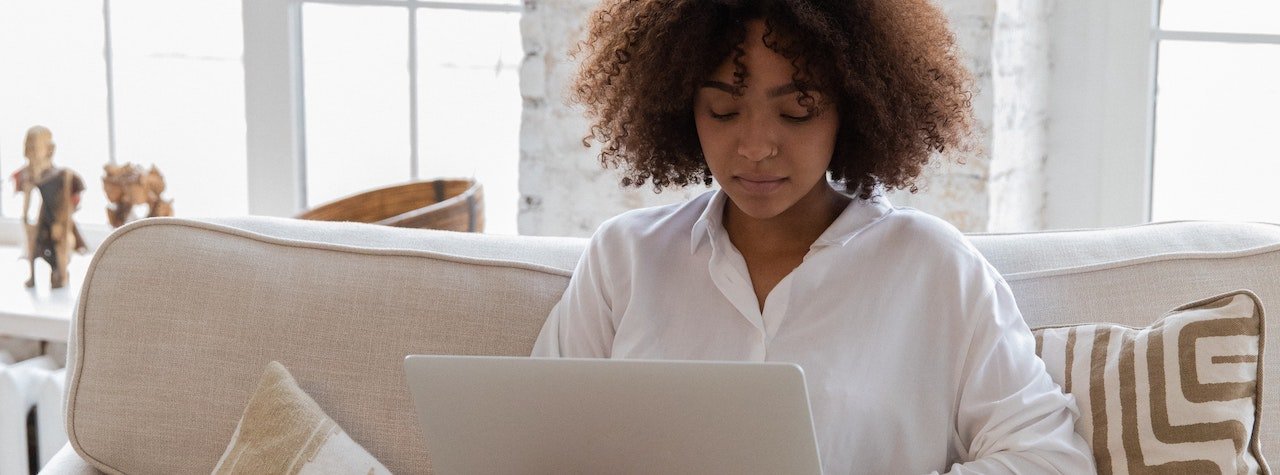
pixel 68 462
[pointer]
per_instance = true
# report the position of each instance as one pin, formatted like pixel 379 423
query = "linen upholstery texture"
pixel 1177 396
pixel 162 360
pixel 166 359
pixel 284 431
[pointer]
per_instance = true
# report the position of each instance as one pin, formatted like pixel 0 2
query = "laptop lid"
pixel 547 415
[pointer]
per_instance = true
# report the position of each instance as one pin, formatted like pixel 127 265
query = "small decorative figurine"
pixel 126 185
pixel 54 235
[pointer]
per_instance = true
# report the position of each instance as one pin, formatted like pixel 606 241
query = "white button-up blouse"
pixel 916 357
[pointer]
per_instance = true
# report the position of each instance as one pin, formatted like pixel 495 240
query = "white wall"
pixel 1098 168
pixel 961 193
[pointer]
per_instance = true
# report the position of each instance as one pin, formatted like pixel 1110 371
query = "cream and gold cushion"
pixel 1182 395
pixel 284 431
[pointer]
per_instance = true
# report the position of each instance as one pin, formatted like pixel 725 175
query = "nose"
pixel 758 140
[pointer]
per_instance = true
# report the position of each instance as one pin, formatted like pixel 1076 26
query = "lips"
pixel 760 184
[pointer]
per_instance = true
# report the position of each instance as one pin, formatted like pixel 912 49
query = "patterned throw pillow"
pixel 1179 396
pixel 283 430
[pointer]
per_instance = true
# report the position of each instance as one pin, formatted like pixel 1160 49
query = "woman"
pixel 916 357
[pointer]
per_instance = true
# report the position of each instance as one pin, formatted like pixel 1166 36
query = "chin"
pixel 761 208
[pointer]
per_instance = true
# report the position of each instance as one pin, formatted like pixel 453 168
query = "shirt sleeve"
pixel 1011 417
pixel 581 325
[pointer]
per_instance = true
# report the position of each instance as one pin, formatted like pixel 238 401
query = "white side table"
pixel 39 313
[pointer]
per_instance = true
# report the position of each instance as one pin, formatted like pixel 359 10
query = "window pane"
pixel 357 98
pixel 469 104
pixel 54 75
pixel 1227 16
pixel 179 94
pixel 1215 120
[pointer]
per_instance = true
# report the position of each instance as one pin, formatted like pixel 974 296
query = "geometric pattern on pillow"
pixel 1182 395
pixel 284 431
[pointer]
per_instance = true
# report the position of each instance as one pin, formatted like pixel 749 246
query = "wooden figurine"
pixel 126 186
pixel 54 235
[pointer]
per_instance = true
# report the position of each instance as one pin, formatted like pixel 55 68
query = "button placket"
pixel 776 306
pixel 728 276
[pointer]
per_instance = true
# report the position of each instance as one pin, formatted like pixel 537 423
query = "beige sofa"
pixel 178 318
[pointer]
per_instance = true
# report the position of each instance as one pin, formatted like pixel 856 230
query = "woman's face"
pixel 764 148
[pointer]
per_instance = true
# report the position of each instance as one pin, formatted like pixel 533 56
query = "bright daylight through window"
pixel 163 83
pixel 360 114
pixel 175 97
pixel 1216 102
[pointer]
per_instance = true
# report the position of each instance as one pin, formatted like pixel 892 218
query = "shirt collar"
pixel 858 215
pixel 709 221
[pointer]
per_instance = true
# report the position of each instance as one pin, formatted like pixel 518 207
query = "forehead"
pixel 761 64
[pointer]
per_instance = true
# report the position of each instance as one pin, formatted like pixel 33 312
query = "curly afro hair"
pixel 891 65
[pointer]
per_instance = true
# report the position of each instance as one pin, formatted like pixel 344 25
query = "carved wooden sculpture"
pixel 54 235
pixel 126 186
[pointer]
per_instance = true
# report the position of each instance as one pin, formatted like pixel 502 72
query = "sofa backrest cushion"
pixel 177 318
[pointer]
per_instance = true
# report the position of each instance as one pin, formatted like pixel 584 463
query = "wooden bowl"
pixel 453 205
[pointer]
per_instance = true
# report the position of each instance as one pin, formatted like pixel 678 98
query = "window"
pixel 178 83
pixel 399 90
pixel 265 107
pixel 355 60
pixel 54 75
pixel 1215 112
pixel 142 81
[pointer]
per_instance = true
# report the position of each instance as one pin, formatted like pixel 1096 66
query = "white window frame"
pixel 1102 120
pixel 274 96
pixel 275 118
pixel 1212 37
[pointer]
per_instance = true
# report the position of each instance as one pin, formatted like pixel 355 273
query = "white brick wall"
pixel 565 191
pixel 1020 136
pixel 959 193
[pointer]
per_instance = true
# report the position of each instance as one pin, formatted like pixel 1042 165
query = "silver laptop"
pixel 499 415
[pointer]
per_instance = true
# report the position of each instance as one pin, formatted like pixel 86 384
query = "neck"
pixel 794 230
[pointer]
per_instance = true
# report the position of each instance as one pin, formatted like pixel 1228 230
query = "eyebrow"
pixel 773 93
